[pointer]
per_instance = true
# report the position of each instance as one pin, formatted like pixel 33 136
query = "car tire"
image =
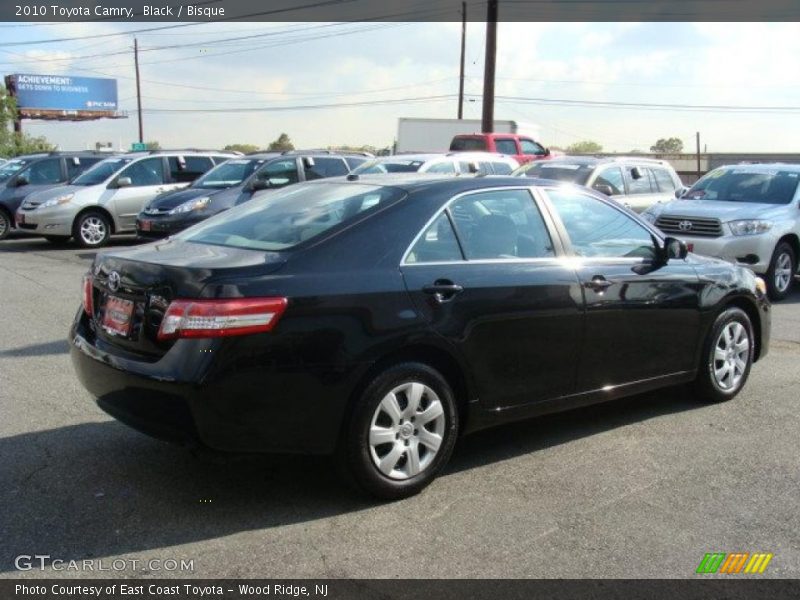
pixel 387 449
pixel 57 239
pixel 728 354
pixel 5 225
pixel 781 272
pixel 91 229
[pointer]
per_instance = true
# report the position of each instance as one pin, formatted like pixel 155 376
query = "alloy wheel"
pixel 783 272
pixel 731 356
pixel 93 230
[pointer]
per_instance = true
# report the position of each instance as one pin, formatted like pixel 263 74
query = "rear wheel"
pixel 781 271
pixel 402 432
pixel 5 225
pixel 91 229
pixel 727 357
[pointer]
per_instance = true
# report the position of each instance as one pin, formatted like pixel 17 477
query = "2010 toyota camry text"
pixel 378 319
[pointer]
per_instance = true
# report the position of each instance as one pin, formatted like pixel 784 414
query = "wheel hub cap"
pixel 731 356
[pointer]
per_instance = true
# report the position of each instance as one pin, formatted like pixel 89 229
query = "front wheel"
pixel 91 229
pixel 781 272
pixel 5 225
pixel 727 357
pixel 401 432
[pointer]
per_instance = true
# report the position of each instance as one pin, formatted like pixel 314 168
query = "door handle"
pixel 598 283
pixel 443 290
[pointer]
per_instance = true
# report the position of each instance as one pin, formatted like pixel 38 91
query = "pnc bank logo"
pixel 736 562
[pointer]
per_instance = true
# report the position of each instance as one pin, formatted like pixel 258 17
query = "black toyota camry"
pixel 379 319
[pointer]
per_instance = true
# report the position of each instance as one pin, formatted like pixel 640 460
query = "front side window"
pixel 468 144
pixel 326 167
pixel 664 180
pixel 394 165
pixel 638 180
pixel 43 172
pixel 501 168
pixel 101 171
pixel 611 178
pixel 280 172
pixel 505 146
pixel 285 218
pixel 11 167
pixel 501 224
pixel 596 229
pixel 149 171
pixel 746 184
pixel 443 167
pixel 228 174
pixel 531 147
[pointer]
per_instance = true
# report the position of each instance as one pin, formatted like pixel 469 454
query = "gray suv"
pixel 637 183
pixel 748 214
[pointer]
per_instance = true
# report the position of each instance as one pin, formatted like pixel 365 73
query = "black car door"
pixel 487 275
pixel 642 314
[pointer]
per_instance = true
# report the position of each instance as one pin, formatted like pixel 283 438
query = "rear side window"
pixel 501 168
pixel 280 172
pixel 505 146
pixel 462 144
pixel 438 243
pixel 220 159
pixel 663 180
pixel 501 224
pixel 611 177
pixel 326 167
pixel 443 167
pixel 185 169
pixel 78 164
pixel 285 218
pixel 354 161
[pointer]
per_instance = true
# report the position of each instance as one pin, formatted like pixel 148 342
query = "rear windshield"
pixel 559 171
pixel 11 167
pixel 228 174
pixel 101 171
pixel 389 166
pixel 743 184
pixel 461 144
pixel 281 219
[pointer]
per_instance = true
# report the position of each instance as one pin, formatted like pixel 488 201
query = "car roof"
pixel 435 181
pixel 421 157
pixel 765 167
pixel 604 160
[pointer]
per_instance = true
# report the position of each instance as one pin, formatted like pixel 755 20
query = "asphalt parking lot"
pixel 642 487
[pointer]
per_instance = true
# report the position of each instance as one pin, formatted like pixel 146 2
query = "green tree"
pixel 671 145
pixel 282 144
pixel 584 147
pixel 243 148
pixel 13 144
pixel 153 145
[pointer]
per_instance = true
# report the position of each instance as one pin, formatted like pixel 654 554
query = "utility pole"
pixel 463 51
pixel 698 155
pixel 487 126
pixel 138 88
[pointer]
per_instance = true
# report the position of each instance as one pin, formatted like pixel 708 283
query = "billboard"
pixel 63 93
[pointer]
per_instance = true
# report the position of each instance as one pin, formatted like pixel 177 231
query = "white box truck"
pixel 434 135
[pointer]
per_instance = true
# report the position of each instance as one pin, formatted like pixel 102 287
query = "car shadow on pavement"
pixel 100 489
pixel 43 349
pixel 39 244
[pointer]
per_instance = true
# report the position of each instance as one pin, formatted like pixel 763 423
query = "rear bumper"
pixel 189 397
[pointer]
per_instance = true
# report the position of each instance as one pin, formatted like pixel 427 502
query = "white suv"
pixel 106 198
pixel 747 214
pixel 451 163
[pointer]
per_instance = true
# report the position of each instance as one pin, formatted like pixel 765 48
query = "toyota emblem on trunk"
pixel 113 281
pixel 685 225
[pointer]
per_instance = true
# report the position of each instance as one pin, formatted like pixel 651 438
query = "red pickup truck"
pixel 519 147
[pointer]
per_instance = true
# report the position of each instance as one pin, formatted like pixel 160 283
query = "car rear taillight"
pixel 220 318
pixel 88 295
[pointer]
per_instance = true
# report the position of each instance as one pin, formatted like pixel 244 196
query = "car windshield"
pixel 229 173
pixel 746 184
pixel 285 218
pixel 559 171
pixel 389 166
pixel 461 144
pixel 11 167
pixel 101 171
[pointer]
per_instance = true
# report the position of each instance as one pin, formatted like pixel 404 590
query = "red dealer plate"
pixel 118 316
pixel 145 225
pixel 20 218
pixel 690 247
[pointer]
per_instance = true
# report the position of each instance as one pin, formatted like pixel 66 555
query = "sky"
pixel 292 65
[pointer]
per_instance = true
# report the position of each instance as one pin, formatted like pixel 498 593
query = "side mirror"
pixel 124 182
pixel 547 151
pixel 260 184
pixel 474 167
pixel 679 192
pixel 603 189
pixel 675 248
pixel 636 173
pixel 21 180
